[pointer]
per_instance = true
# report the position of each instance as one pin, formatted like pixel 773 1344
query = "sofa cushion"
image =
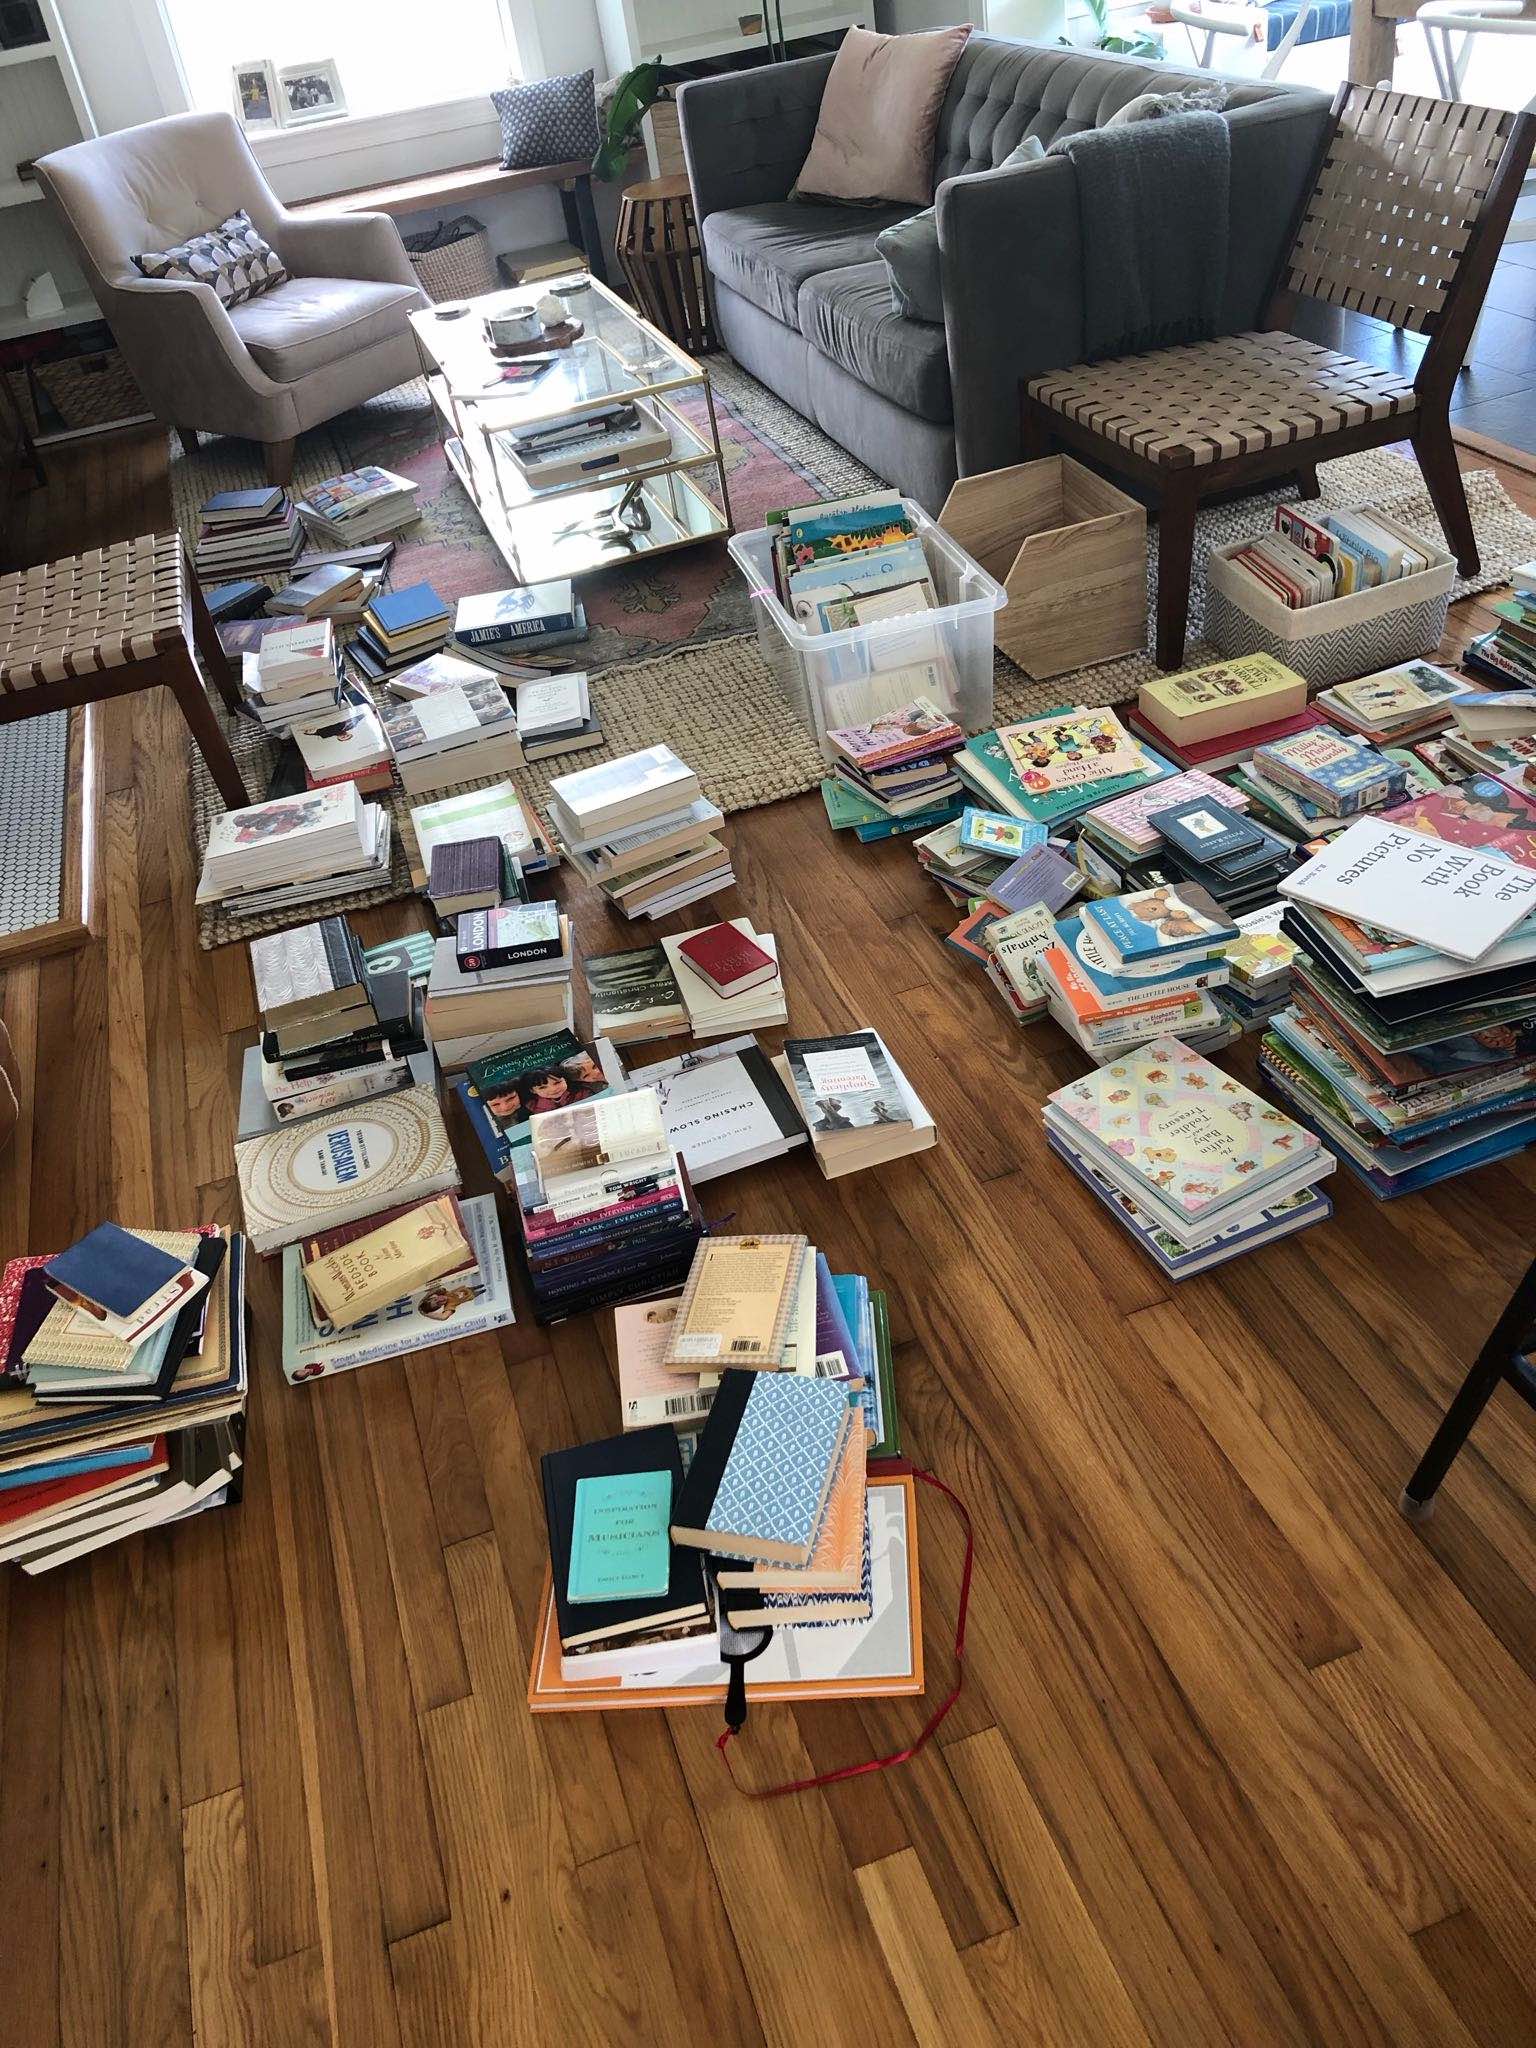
pixel 874 133
pixel 311 322
pixel 910 249
pixel 766 253
pixel 847 316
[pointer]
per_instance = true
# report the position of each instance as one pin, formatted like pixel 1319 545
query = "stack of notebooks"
pixel 518 631
pixel 555 716
pixel 1140 967
pixel 313 1176
pixel 1507 655
pixel 728 977
pixel 606 1210
pixel 358 506
pixel 1052 769
pixel 295 850
pixel 122 1389
pixel 247 533
pixel 1196 1167
pixel 1214 717
pixel 448 721
pixel 901 762
pixel 1408 1043
pixel 330 590
pixel 398 628
pixel 501 979
pixel 496 812
pixel 420 1275
pixel 333 1033
pixel 1395 705
pixel 1313 782
pixel 858 1106
pixel 293 672
pixel 640 828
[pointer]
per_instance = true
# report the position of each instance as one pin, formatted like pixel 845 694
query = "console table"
pixel 467 182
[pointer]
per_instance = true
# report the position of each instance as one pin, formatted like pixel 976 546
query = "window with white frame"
pixel 387 54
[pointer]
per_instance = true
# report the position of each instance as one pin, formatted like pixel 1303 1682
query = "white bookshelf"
pixel 43 106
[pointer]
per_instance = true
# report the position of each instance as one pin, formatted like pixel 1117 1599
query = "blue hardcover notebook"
pixel 770 1494
pixel 620 1547
pixel 397 611
pixel 113 1269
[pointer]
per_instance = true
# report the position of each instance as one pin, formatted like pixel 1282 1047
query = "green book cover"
pixel 889 1444
pixel 621 1548
pixel 846 807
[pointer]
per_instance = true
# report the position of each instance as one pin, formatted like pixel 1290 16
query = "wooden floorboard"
pixel 1242 1757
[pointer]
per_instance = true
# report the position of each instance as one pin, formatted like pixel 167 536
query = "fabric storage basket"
pixel 453 260
pixel 1344 636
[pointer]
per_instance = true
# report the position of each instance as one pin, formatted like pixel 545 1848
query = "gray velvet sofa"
pixel 803 301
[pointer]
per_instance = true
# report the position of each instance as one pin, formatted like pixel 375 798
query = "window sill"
pixel 313 142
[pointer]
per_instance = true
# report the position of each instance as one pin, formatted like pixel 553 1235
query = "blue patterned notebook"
pixel 775 1481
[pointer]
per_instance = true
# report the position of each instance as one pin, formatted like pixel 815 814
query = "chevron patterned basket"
pixel 1346 636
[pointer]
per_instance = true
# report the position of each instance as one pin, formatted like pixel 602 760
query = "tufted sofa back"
pixel 1001 92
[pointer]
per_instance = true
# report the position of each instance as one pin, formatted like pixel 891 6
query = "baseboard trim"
pixel 1497 451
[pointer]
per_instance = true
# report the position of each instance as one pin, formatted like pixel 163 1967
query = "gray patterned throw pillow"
pixel 233 257
pixel 552 121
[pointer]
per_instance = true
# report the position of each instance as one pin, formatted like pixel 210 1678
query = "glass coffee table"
pixel 672 495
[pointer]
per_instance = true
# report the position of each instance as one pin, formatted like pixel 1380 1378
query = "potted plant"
pixel 1139 43
pixel 623 105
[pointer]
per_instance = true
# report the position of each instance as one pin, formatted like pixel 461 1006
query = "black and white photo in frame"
pixel 311 92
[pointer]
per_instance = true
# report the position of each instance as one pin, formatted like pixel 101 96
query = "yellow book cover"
pixel 384 1265
pixel 738 1305
pixel 1228 696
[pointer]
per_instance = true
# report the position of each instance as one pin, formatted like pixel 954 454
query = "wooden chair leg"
pixel 1436 451
pixel 1179 499
pixel 187 436
pixel 203 723
pixel 1035 438
pixel 205 636
pixel 278 459
pixel 1307 485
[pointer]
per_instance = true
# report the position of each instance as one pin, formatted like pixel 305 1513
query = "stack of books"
pixel 247 533
pixel 555 716
pixel 1495 733
pixel 1314 782
pixel 497 812
pixel 517 631
pixel 848 562
pixel 961 863
pixel 473 874
pixel 1052 769
pixel 332 1032
pixel 331 590
pixel 1123 832
pixel 312 1176
pixel 1214 717
pixel 1310 558
pixel 1222 851
pixel 1395 705
pixel 1196 1167
pixel 295 850
pixel 344 744
pixel 448 721
pixel 1507 655
pixel 398 628
pixel 635 995
pixel 293 672
pixel 420 1275
pixel 901 761
pixel 857 1104
pixel 504 1091
pixel 619 434
pixel 358 506
pixel 1408 1040
pixel 1135 968
pixel 642 830
pixel 606 1210
pixel 1260 960
pixel 728 976
pixel 724 1107
pixel 123 1369
pixel 502 979
pixel 1014 948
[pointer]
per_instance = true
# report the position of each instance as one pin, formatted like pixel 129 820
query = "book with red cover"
pixel 728 960
pixel 30 1504
pixel 1227 749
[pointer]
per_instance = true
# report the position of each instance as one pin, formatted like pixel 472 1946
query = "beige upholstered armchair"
pixel 334 334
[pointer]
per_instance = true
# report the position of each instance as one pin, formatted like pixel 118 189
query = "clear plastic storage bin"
pixel 835 679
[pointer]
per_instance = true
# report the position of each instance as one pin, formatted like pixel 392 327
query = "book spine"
pixel 312 1362
pixel 505 632
pixel 479 960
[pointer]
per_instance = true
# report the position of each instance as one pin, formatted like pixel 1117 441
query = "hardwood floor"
pixel 1241 1758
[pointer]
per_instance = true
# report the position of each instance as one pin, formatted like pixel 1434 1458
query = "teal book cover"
pixel 620 1545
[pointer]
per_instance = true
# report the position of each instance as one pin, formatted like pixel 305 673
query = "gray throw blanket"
pixel 1153 202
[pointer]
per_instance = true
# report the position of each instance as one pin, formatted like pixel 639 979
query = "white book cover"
pixel 284 820
pixel 715 1109
pixel 553 704
pixel 654 772
pixel 1457 899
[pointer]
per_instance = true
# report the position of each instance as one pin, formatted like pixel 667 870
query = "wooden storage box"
pixel 1071 552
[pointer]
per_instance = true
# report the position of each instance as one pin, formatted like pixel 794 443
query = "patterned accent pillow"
pixel 233 257
pixel 552 121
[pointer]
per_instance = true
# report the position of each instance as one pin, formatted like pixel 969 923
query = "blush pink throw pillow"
pixel 879 114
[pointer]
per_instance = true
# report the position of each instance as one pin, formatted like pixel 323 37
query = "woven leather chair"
pixel 1404 223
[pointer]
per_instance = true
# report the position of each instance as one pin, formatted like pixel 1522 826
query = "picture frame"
pixel 310 92
pixel 256 101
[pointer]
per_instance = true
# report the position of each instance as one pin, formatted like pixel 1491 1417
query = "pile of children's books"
pixel 1395 706
pixel 122 1388
pixel 333 1033
pixel 900 763
pixel 295 850
pixel 1313 782
pixel 1494 733
pixel 1052 769
pixel 1133 968
pixel 447 721
pixel 503 976
pixel 422 1274
pixel 1194 1165
pixel 642 830
pixel 294 671
pixel 1259 960
pixel 1507 655
pixel 858 1106
pixel 1311 558
pixel 604 1204
pixel 849 562
pixel 518 631
pixel 1223 851
pixel 1410 1039
pixel 398 628
pixel 247 533
pixel 358 506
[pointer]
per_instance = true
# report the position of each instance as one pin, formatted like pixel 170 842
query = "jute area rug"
pixel 719 706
